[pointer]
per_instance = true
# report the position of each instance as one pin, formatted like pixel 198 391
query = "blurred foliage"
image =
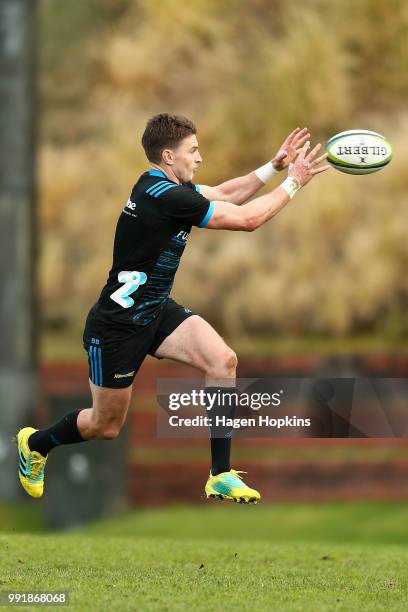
pixel 334 261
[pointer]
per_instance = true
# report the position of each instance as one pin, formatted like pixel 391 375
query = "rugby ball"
pixel 358 151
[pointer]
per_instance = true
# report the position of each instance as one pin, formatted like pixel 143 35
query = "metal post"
pixel 18 359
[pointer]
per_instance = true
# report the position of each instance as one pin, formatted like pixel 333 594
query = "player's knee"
pixel 107 428
pixel 107 419
pixel 230 360
pixel 110 432
pixel 225 365
pixel 107 431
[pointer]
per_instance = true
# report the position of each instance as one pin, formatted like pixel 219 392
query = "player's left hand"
pixel 290 148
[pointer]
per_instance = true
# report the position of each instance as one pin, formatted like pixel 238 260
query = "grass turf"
pixel 219 557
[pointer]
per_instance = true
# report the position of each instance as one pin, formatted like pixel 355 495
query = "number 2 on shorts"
pixel 132 282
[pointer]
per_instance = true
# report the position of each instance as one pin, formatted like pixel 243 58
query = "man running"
pixel 135 315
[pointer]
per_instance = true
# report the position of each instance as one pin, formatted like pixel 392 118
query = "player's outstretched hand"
pixel 290 148
pixel 306 165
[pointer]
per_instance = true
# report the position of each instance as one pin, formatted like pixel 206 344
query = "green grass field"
pixel 222 557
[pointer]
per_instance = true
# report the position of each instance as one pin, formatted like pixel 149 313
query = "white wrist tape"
pixel 266 172
pixel 291 185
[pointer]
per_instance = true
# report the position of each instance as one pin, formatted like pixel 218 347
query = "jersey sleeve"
pixel 184 203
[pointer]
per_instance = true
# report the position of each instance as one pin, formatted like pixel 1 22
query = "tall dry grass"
pixel 333 261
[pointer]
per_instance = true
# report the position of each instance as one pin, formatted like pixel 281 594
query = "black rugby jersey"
pixel 150 238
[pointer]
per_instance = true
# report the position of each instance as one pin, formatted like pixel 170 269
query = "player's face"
pixel 186 158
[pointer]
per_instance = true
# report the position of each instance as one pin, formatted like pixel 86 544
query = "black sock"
pixel 64 431
pixel 221 435
pixel 220 455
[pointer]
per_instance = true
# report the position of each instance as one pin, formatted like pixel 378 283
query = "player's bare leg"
pixel 107 415
pixel 195 342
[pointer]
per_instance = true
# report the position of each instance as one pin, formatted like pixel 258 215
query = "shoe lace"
pixel 36 465
pixel 237 473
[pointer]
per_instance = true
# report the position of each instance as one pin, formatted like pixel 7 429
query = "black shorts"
pixel 115 354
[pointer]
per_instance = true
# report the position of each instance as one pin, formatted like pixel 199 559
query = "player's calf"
pixel 108 413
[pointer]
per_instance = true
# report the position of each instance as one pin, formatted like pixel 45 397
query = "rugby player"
pixel 135 315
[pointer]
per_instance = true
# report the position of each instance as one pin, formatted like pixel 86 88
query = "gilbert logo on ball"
pixel 358 151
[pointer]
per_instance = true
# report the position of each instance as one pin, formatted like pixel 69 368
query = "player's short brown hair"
pixel 165 131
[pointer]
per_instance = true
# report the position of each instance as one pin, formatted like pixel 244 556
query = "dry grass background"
pixel 334 261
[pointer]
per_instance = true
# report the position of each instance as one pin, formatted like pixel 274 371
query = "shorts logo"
pixel 124 375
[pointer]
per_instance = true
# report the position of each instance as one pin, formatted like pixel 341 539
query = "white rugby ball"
pixel 358 151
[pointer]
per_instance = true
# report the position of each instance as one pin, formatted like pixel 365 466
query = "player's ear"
pixel 168 157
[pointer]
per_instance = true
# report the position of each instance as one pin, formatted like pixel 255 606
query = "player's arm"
pixel 240 189
pixel 252 215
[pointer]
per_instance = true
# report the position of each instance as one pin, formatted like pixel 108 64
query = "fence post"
pixel 18 317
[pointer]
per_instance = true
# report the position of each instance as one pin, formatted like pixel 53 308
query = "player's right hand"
pixel 306 165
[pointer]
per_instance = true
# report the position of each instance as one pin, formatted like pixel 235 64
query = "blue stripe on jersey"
pixel 100 365
pixel 198 188
pixel 91 364
pixel 95 366
pixel 208 215
pixel 163 189
pixel 157 186
pixel 156 173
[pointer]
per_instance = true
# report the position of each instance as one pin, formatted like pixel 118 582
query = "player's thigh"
pixel 114 359
pixel 196 343
pixel 110 405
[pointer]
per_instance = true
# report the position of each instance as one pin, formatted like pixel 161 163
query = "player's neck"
pixel 167 172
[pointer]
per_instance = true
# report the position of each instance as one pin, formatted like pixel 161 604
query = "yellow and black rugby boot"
pixel 31 464
pixel 229 485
